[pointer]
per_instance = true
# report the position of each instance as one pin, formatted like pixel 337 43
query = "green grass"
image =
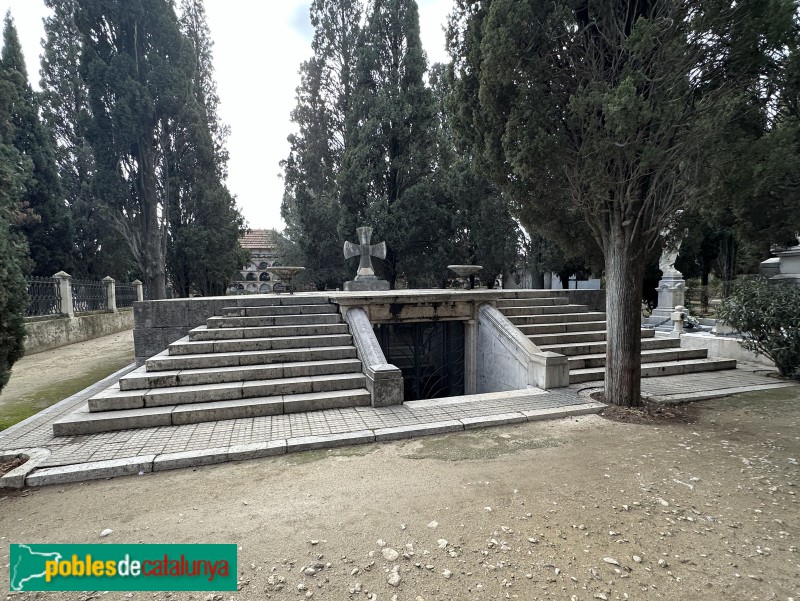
pixel 15 410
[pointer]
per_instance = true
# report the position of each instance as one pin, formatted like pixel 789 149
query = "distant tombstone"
pixel 671 286
pixel 365 279
pixel 784 266
pixel 278 287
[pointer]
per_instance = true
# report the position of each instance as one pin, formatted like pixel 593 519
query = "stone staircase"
pixel 553 324
pixel 283 355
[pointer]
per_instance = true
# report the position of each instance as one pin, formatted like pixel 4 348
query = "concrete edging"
pixel 167 461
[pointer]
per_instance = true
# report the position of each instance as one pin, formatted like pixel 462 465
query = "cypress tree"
pixel 98 249
pixel 139 70
pixel 50 234
pixel 15 172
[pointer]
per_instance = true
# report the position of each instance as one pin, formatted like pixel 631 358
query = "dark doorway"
pixel 430 355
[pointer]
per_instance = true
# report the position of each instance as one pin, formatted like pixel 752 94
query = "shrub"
pixel 767 313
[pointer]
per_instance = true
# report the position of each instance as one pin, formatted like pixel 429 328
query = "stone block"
pixel 366 285
pixel 193 394
pixel 15 479
pixel 328 441
pixel 485 421
pixel 196 413
pixel 91 471
pixel 83 422
pixel 276 387
pixel 542 414
pixel 316 401
pixel 411 431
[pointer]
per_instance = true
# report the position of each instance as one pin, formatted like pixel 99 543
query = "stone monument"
pixel 365 279
pixel 671 286
pixel 784 266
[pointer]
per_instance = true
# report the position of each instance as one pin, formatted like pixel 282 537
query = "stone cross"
pixel 366 251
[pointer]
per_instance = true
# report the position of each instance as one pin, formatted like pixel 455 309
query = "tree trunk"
pixel 624 274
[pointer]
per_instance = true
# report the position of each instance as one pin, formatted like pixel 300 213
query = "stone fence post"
pixel 64 281
pixel 139 290
pixel 111 293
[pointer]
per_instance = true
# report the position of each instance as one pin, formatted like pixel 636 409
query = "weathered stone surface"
pixel 400 432
pixel 91 471
pixel 326 441
pixel 492 420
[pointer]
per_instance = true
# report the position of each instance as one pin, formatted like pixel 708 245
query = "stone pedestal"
pixel 671 294
pixel 785 266
pixel 366 285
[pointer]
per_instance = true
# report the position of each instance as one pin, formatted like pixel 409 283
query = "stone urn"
pixel 285 275
pixel 466 272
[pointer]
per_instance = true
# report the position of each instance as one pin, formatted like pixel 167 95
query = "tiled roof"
pixel 259 239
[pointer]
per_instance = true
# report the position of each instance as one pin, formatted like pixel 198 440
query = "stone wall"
pixel 44 333
pixel 157 324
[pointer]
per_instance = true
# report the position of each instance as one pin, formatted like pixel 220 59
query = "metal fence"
pixel 88 295
pixel 126 295
pixel 45 297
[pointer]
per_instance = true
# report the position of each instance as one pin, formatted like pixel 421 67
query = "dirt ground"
pixel 700 507
pixel 42 379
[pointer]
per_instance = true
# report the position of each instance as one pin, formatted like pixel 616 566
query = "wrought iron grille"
pixel 430 356
pixel 88 295
pixel 45 297
pixel 125 295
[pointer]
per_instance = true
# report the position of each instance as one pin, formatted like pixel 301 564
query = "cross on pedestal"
pixel 366 251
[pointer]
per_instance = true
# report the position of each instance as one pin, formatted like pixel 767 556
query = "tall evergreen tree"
pixel 139 70
pixel 601 111
pixel 15 172
pixel 50 235
pixel 388 157
pixel 204 223
pixel 98 249
pixel 311 207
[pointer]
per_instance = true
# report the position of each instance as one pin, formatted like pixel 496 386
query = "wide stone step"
pixel 521 320
pixel 574 337
pixel 114 399
pixel 166 362
pixel 85 422
pixel 666 368
pixel 551 309
pixel 648 356
pixel 184 346
pixel 280 300
pixel 273 320
pixel 280 310
pixel 140 379
pixel 522 303
pixel 563 328
pixel 591 348
pixel 204 333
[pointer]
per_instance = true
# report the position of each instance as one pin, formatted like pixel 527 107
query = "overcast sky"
pixel 258 49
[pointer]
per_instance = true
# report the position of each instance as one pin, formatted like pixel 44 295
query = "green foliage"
pixel 99 249
pixel 767 313
pixel 49 234
pixel 14 172
pixel 204 223
pixel 311 207
pixel 384 180
pixel 139 71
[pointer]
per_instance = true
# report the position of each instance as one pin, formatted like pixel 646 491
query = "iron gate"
pixel 430 355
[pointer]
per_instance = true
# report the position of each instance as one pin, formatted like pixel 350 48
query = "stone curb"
pixel 91 471
pixel 676 399
pixel 168 461
pixel 16 477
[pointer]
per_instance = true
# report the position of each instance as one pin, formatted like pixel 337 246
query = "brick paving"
pixel 37 431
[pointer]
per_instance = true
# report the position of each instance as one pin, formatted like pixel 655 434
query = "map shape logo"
pixel 27 564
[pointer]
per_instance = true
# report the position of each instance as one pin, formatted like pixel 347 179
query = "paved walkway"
pixel 74 458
